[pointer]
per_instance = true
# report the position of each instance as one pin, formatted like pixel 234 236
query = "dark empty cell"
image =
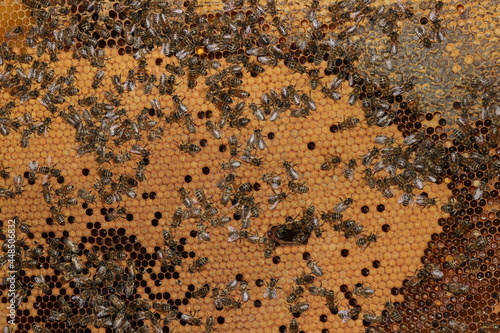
pixel 205 170
pixel 259 282
pixel 376 264
pixel 306 256
pixel 365 209
pixel 282 329
pixel 344 253
pixel 158 215
pixel 424 20
pixel 188 179
pixel 145 161
pixel 85 172
pixel 311 146
pixel 323 318
pixel 334 128
pixel 121 232
pixel 399 99
pixel 32 181
pixel 85 205
pixel 89 212
pixel 442 122
pixel 270 135
pixel 193 233
pixel 239 277
pixel 158 61
pixel 152 195
pixel 130 217
pixel 203 142
pixel 365 272
pixel 104 211
pixel 380 208
pixel 403 105
pixel 145 196
pixel 276 260
pixel 257 303
pixel 175 275
pixel 394 291
pixel 221 320
pixel 256 187
pixel 60 179
pixel 222 148
pixel 386 228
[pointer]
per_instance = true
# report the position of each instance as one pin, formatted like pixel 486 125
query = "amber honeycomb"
pixel 408 236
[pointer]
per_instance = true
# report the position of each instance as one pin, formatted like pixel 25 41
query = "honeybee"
pixel 458 288
pixel 349 169
pixel 393 312
pixel 198 264
pixel 479 244
pixel 315 269
pixel 291 172
pixel 272 180
pixel 349 313
pixel 457 326
pixel 330 162
pixel 299 308
pixel 271 289
pixel 342 206
pixel 366 292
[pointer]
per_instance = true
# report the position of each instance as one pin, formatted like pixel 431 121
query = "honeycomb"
pixel 192 166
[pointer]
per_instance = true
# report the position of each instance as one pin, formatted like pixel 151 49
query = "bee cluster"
pixel 192 77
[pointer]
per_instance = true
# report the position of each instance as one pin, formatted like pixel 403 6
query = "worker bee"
pixel 349 313
pixel 116 80
pixel 203 235
pixel 368 158
pixel 272 180
pixel 315 269
pixel 372 318
pixel 296 187
pixel 425 201
pixel 365 240
pixel 189 148
pixel 235 234
pixel 191 320
pixel 230 165
pixel 331 304
pixel 275 199
pixel 290 170
pixel 458 288
pixel 479 244
pixel 342 206
pixel 271 289
pixel 394 313
pixel 349 169
pixel 299 308
pixel 330 162
pixel 384 140
pixel 366 292
pixel 295 294
pixel 348 123
pixel 305 279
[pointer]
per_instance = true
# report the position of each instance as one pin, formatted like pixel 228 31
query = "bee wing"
pixel 344 315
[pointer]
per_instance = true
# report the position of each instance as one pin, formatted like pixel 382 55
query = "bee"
pixel 200 292
pixel 275 199
pixel 98 78
pixel 315 269
pixel 298 187
pixel 114 214
pixel 394 313
pixel 64 190
pixel 299 308
pixel 209 325
pixel 349 169
pixel 474 264
pixel 330 93
pixel 368 158
pixel 213 130
pixel 256 140
pixel 458 288
pixel 372 318
pixel 290 170
pixel 40 281
pixel 189 148
pixel 295 294
pixel 305 279
pixel 478 193
pixel 313 78
pixel 478 245
pixel 425 201
pixel 342 206
pixel 365 240
pixel 233 145
pixel 198 264
pixel 203 235
pixel 331 304
pixel 294 326
pixel 40 329
pixel 349 313
pixel 235 234
pixel 186 200
pixel 116 80
pixel 271 289
pixel 245 295
pixel 366 292
pixel 191 320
